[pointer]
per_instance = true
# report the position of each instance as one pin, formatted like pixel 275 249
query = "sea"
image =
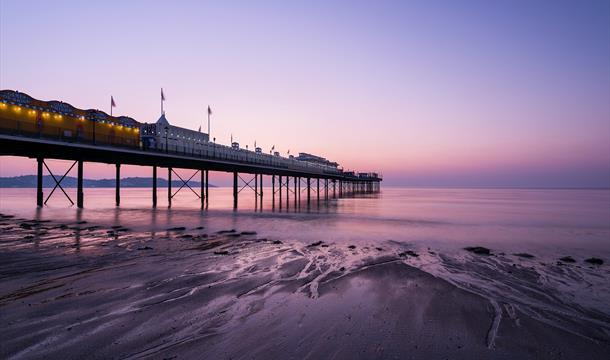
pixel 554 222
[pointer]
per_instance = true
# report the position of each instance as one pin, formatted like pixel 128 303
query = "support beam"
pixel 154 187
pixel 79 185
pixel 117 188
pixel 235 190
pixel 295 191
pixel 58 183
pixel 318 189
pixel 169 187
pixel 255 190
pixel 39 194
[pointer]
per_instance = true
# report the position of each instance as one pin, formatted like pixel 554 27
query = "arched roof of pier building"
pixel 62 108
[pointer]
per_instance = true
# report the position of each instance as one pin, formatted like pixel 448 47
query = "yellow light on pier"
pixel 17 109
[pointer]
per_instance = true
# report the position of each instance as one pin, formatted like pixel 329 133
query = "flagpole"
pixel 111 106
pixel 208 122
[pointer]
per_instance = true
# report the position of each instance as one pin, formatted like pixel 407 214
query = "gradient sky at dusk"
pixel 457 93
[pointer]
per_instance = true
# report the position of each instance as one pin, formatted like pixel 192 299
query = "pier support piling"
pixel 79 185
pixel 202 188
pixel 39 194
pixel 169 187
pixel 154 187
pixel 255 190
pixel 207 187
pixel 308 191
pixel 287 192
pixel 235 190
pixel 261 187
pixel 117 188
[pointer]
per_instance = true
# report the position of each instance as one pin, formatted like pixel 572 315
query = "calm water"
pixel 553 222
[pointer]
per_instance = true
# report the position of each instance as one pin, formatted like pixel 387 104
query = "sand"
pixel 84 291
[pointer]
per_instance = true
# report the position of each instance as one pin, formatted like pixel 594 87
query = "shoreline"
pixel 70 288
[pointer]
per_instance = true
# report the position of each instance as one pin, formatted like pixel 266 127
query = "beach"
pixel 101 289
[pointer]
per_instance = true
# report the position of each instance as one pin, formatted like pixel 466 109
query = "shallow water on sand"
pixel 555 221
pixel 435 224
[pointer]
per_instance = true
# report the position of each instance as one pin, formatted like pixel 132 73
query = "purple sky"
pixel 440 93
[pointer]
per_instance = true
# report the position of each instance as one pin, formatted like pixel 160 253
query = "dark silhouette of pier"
pixel 290 180
pixel 57 130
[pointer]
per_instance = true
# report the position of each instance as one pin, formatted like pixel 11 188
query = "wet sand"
pixel 83 290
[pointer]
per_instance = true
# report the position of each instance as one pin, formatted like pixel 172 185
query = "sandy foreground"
pixel 83 291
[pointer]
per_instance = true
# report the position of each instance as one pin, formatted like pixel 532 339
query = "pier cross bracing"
pixel 56 130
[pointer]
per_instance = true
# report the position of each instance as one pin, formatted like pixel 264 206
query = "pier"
pixel 292 181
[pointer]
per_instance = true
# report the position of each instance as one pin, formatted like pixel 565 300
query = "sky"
pixel 429 93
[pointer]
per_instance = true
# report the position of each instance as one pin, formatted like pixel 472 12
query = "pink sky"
pixel 455 95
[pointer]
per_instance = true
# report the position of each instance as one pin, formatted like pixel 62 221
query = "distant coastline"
pixel 29 181
pixel 493 187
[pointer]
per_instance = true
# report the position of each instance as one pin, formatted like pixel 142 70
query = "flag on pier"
pixel 162 100
pixel 209 113
pixel 112 104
